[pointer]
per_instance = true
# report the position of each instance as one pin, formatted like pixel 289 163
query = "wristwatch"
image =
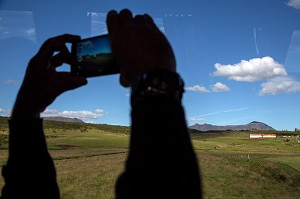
pixel 158 83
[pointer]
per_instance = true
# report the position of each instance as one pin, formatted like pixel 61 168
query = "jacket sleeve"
pixel 30 171
pixel 161 161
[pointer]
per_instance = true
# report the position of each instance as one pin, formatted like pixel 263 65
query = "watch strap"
pixel 158 82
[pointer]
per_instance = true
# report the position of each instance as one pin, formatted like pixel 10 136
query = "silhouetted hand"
pixel 42 83
pixel 138 45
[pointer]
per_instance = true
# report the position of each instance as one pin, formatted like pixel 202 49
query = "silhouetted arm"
pixel 161 162
pixel 30 172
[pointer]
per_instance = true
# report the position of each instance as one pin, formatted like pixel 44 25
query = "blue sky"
pixel 240 59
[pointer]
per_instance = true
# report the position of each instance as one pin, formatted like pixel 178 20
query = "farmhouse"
pixel 262 135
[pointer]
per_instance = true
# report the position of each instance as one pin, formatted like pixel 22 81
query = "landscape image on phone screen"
pixel 94 57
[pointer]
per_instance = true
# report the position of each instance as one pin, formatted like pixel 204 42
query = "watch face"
pixel 158 83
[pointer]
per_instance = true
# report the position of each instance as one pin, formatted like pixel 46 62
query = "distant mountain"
pixel 246 127
pixel 63 119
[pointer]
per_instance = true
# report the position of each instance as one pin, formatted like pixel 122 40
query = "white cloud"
pixel 4 112
pixel 219 87
pixel 255 69
pixel 195 119
pixel 294 4
pixel 197 88
pixel 99 111
pixel 279 85
pixel 96 114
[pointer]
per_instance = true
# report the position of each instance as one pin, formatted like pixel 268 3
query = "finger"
pixel 123 81
pixel 66 38
pixel 112 21
pixel 70 82
pixel 149 20
pixel 61 58
pixel 56 44
pixel 128 79
pixel 57 60
pixel 126 17
pixel 139 20
pixel 41 61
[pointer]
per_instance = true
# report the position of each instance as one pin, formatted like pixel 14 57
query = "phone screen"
pixel 93 57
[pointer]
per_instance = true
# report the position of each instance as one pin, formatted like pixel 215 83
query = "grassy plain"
pixel 89 158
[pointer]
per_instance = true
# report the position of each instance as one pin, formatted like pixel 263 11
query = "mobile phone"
pixel 93 57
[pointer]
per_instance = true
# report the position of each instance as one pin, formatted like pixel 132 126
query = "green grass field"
pixel 89 159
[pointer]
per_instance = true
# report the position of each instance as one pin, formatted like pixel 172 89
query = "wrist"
pixel 158 83
pixel 22 112
pixel 25 108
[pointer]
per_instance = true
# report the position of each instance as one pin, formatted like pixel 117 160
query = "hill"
pixel 75 124
pixel 63 119
pixel 63 125
pixel 246 127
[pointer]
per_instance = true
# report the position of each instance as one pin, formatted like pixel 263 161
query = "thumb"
pixel 70 82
